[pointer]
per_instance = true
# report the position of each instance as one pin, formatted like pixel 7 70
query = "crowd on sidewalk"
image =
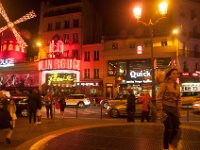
pixel 8 115
pixel 168 108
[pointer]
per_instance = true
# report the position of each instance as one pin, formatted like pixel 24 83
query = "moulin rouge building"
pixel 73 57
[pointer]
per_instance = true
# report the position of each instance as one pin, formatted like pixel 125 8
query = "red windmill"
pixel 11 25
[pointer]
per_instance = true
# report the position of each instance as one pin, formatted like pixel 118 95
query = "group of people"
pixel 168 105
pixel 7 116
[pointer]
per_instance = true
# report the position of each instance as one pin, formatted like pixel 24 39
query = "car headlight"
pixel 108 107
pixel 196 105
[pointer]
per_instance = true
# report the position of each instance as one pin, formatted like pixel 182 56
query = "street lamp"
pixel 137 11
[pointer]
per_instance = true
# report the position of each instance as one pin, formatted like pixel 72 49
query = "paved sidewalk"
pixel 95 134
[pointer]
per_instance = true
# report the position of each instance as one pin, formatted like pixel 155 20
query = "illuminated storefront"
pixel 63 72
pixel 136 74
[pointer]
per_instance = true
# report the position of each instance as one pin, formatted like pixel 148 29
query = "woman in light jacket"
pixel 168 106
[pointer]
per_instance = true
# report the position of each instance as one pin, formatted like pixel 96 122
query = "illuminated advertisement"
pixel 59 64
pixel 139 76
pixel 61 79
pixel 19 80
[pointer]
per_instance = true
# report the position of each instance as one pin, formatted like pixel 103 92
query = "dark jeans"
pixel 130 117
pixel 32 114
pixel 171 129
pixel 49 111
pixel 145 115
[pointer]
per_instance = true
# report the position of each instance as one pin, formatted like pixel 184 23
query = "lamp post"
pixel 137 11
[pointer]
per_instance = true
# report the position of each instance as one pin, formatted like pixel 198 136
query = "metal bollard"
pixel 101 112
pixel 187 113
pixel 76 111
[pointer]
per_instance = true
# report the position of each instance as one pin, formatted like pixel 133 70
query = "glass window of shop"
pixel 135 73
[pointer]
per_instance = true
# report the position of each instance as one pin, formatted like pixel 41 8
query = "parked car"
pixel 80 100
pixel 120 99
pixel 187 98
pixel 118 110
pixel 196 107
pixel 21 105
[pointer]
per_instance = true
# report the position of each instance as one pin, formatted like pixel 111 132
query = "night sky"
pixel 117 17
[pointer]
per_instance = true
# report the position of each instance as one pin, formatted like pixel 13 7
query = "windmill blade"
pixel 3 13
pixel 28 16
pixel 3 28
pixel 20 41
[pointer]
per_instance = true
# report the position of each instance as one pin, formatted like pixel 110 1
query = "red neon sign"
pixel 195 75
pixel 185 74
pixel 59 64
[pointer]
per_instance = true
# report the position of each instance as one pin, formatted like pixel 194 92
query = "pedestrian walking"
pixel 130 106
pixel 6 121
pixel 12 110
pixel 62 105
pixel 33 101
pixel 145 99
pixel 168 106
pixel 48 105
pixel 39 107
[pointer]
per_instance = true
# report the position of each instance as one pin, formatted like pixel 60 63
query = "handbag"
pixel 57 105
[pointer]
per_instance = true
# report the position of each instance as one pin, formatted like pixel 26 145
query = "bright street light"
pixel 137 11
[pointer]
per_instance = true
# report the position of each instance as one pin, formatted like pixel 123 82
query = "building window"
pixel 17 48
pixel 197 67
pixel 87 56
pixel 86 73
pixel 182 14
pixel 75 23
pixel 132 45
pixel 163 43
pixel 115 45
pixel 185 67
pixel 96 73
pixel 57 25
pixel 10 46
pixel 96 55
pixel 66 38
pixel 49 28
pixel 75 53
pixel 4 47
pixel 193 14
pixel 75 37
pixel 67 24
pixel 147 44
pixel 196 51
pixel 66 53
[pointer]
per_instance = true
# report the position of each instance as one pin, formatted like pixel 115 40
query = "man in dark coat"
pixel 6 121
pixel 33 103
pixel 130 106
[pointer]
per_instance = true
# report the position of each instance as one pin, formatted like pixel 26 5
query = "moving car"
pixel 187 98
pixel 121 99
pixel 80 100
pixel 196 107
pixel 118 110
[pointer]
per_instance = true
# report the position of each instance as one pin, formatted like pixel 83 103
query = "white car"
pixel 80 100
pixel 196 106
pixel 188 98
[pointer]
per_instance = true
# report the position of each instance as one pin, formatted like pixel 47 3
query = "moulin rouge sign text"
pixel 57 64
